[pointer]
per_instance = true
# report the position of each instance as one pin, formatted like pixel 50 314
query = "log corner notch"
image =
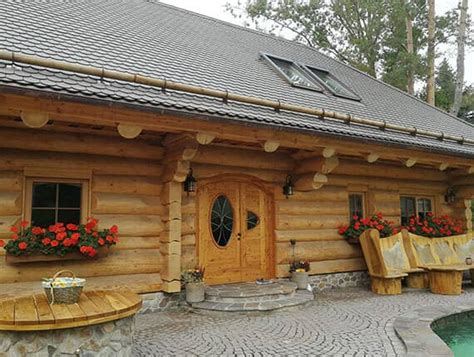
pixel 312 172
pixel 179 151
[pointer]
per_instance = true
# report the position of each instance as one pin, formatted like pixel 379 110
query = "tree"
pixel 461 41
pixel 445 86
pixel 430 83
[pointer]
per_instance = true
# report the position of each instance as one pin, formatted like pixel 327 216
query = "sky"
pixel 216 8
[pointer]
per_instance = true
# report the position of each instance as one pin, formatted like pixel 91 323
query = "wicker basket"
pixel 60 290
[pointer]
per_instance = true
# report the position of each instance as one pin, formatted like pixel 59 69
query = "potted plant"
pixel 358 225
pixel 193 280
pixel 58 242
pixel 299 273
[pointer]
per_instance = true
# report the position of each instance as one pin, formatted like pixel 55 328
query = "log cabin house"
pixel 115 104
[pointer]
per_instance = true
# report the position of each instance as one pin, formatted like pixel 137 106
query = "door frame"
pixel 267 189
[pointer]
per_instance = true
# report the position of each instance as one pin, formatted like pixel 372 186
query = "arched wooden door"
pixel 234 234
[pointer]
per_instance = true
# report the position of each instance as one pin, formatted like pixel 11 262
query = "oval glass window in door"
pixel 222 220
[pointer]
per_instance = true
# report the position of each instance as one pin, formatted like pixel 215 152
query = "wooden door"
pixel 233 237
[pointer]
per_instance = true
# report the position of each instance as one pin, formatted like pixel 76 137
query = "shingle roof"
pixel 160 40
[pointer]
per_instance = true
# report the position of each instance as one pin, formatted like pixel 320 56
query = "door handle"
pixel 239 236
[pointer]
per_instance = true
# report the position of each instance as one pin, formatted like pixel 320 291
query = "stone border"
pixel 414 329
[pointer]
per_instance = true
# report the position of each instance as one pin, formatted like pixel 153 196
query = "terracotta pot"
pixel 301 279
pixel 38 257
pixel 195 292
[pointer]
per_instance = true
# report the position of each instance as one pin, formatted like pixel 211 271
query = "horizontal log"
pixel 386 196
pixel 462 181
pixel 10 203
pixel 118 262
pixel 316 251
pixel 326 193
pixel 309 182
pixel 113 203
pixel 6 222
pixel 293 207
pixel 130 225
pixel 36 140
pixel 327 266
pixel 139 185
pixel 11 181
pixel 219 155
pixel 362 168
pixel 308 235
pixel 137 243
pixel 317 164
pixel 18 160
pixel 286 222
pixel 188 225
pixel 387 183
pixel 188 205
pixel 189 258
pixel 188 239
pixel 201 171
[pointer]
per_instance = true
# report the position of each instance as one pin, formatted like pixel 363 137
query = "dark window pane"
pixel 294 73
pixel 424 206
pixel 69 195
pixel 222 220
pixel 69 216
pixel 252 220
pixel 408 209
pixel 44 194
pixel 356 205
pixel 43 217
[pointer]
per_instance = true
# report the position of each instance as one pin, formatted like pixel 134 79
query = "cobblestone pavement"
pixel 340 322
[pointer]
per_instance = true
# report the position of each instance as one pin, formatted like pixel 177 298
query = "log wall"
pixel 125 188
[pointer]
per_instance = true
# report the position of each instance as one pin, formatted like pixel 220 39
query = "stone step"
pixel 251 291
pixel 296 299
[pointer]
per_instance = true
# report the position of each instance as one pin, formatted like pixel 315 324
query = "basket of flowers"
pixel 63 290
pixel 299 273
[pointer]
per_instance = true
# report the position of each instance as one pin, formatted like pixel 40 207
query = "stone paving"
pixel 340 322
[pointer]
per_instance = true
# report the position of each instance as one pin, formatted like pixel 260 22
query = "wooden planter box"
pixel 38 257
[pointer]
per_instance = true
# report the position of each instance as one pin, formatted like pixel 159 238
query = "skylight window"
pixel 295 74
pixel 336 87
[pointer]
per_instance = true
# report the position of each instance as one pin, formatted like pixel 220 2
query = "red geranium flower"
pixel 114 229
pixel 46 241
pixel 13 229
pixel 54 243
pixel 101 241
pixel 2 243
pixel 37 230
pixel 22 245
pixel 24 224
pixel 72 227
pixel 14 236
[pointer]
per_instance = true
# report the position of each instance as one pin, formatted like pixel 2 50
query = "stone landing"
pixel 246 297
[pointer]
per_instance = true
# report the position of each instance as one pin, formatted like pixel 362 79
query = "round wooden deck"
pixel 34 313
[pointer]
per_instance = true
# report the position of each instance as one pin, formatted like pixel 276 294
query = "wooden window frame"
pixel 364 203
pixel 85 194
pixel 418 197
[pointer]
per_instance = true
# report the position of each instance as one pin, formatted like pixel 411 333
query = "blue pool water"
pixel 457 331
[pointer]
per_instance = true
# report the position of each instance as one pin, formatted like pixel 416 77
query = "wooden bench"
pixel 438 256
pixel 386 261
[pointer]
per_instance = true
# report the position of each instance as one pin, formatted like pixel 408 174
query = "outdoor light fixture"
pixel 288 188
pixel 189 185
pixel 450 195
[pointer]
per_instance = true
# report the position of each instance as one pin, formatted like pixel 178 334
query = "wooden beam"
pixel 329 152
pixel 205 138
pixel 34 119
pixel 317 164
pixel 72 112
pixel 410 162
pixel 128 131
pixel 270 146
pixel 372 157
pixel 443 166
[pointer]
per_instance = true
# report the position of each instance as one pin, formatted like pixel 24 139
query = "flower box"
pixel 39 257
